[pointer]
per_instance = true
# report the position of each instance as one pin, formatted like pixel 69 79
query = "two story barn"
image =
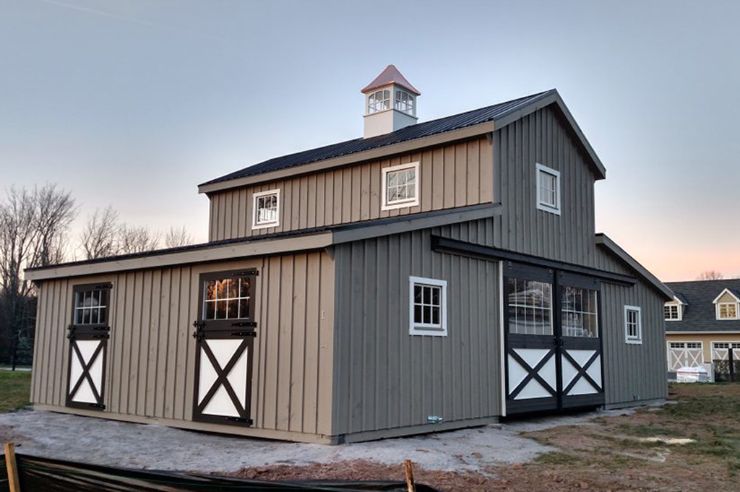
pixel 427 276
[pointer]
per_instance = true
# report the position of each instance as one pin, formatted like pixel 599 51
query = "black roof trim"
pixel 412 132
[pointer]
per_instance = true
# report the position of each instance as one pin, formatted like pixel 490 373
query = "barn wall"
pixel 386 378
pixel 150 370
pixel 451 176
pixel 633 372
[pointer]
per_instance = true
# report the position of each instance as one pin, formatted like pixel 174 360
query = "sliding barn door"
pixel 225 332
pixel 88 345
pixel 580 342
pixel 552 340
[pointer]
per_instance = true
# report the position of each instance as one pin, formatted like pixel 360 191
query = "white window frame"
pixel 372 99
pixel 718 309
pixel 424 329
pixel 546 207
pixel 265 225
pixel 679 311
pixel 717 305
pixel 637 340
pixel 384 205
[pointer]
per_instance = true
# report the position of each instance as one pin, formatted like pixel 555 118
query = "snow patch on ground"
pixel 109 442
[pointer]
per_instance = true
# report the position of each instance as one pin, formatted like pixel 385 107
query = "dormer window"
pixel 672 312
pixel 405 102
pixel 727 305
pixel 379 101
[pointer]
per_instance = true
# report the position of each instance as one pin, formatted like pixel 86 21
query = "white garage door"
pixel 685 354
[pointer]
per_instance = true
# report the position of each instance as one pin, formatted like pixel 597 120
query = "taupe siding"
pixel 633 372
pixel 386 378
pixel 151 359
pixel 451 176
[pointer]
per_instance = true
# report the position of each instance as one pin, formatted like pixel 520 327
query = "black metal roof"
pixel 699 312
pixel 412 132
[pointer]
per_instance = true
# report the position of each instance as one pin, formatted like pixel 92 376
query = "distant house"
pixel 702 322
pixel 425 276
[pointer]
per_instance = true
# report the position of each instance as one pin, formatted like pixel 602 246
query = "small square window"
pixel 379 101
pixel 428 306
pixel 632 324
pixel 91 305
pixel 548 189
pixel 727 310
pixel 400 186
pixel 266 209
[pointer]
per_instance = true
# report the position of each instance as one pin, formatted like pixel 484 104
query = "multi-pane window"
pixel 672 312
pixel 227 298
pixel 266 209
pixel 400 186
pixel 727 310
pixel 428 305
pixel 404 102
pixel 548 189
pixel 632 324
pixel 91 305
pixel 579 312
pixel 379 101
pixel 530 307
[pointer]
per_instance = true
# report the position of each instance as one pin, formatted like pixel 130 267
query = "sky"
pixel 132 104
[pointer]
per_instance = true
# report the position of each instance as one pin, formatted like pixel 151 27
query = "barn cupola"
pixel 390 103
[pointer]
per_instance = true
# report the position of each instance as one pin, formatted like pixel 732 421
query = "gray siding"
pixel 386 378
pixel 633 372
pixel 455 175
pixel 151 358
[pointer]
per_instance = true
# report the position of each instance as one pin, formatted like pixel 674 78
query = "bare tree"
pixel 710 275
pixel 33 224
pixel 136 240
pixel 177 236
pixel 99 238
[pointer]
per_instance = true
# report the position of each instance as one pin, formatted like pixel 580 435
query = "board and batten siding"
pixel 451 176
pixel 151 351
pixel 633 372
pixel 385 378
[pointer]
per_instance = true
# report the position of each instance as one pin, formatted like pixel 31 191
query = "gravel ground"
pixel 109 442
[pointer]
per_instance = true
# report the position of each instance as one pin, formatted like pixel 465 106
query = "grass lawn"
pixel 15 389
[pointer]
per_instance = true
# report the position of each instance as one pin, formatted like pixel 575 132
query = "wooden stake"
pixel 13 483
pixel 408 471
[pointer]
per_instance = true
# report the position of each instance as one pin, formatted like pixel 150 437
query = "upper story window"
pixel 427 306
pixel 548 189
pixel 266 209
pixel 727 310
pixel 672 312
pixel 727 305
pixel 404 102
pixel 400 186
pixel 632 324
pixel 91 304
pixel 379 101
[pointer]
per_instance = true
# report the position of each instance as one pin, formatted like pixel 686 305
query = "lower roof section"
pixel 305 240
pixel 615 250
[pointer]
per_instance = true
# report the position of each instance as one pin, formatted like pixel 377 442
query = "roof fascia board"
pixel 376 153
pixel 618 252
pixel 411 223
pixel 454 246
pixel 552 97
pixel 205 255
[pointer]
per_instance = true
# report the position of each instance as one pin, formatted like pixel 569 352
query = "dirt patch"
pixel 607 453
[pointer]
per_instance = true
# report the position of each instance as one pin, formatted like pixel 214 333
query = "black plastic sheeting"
pixel 44 474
